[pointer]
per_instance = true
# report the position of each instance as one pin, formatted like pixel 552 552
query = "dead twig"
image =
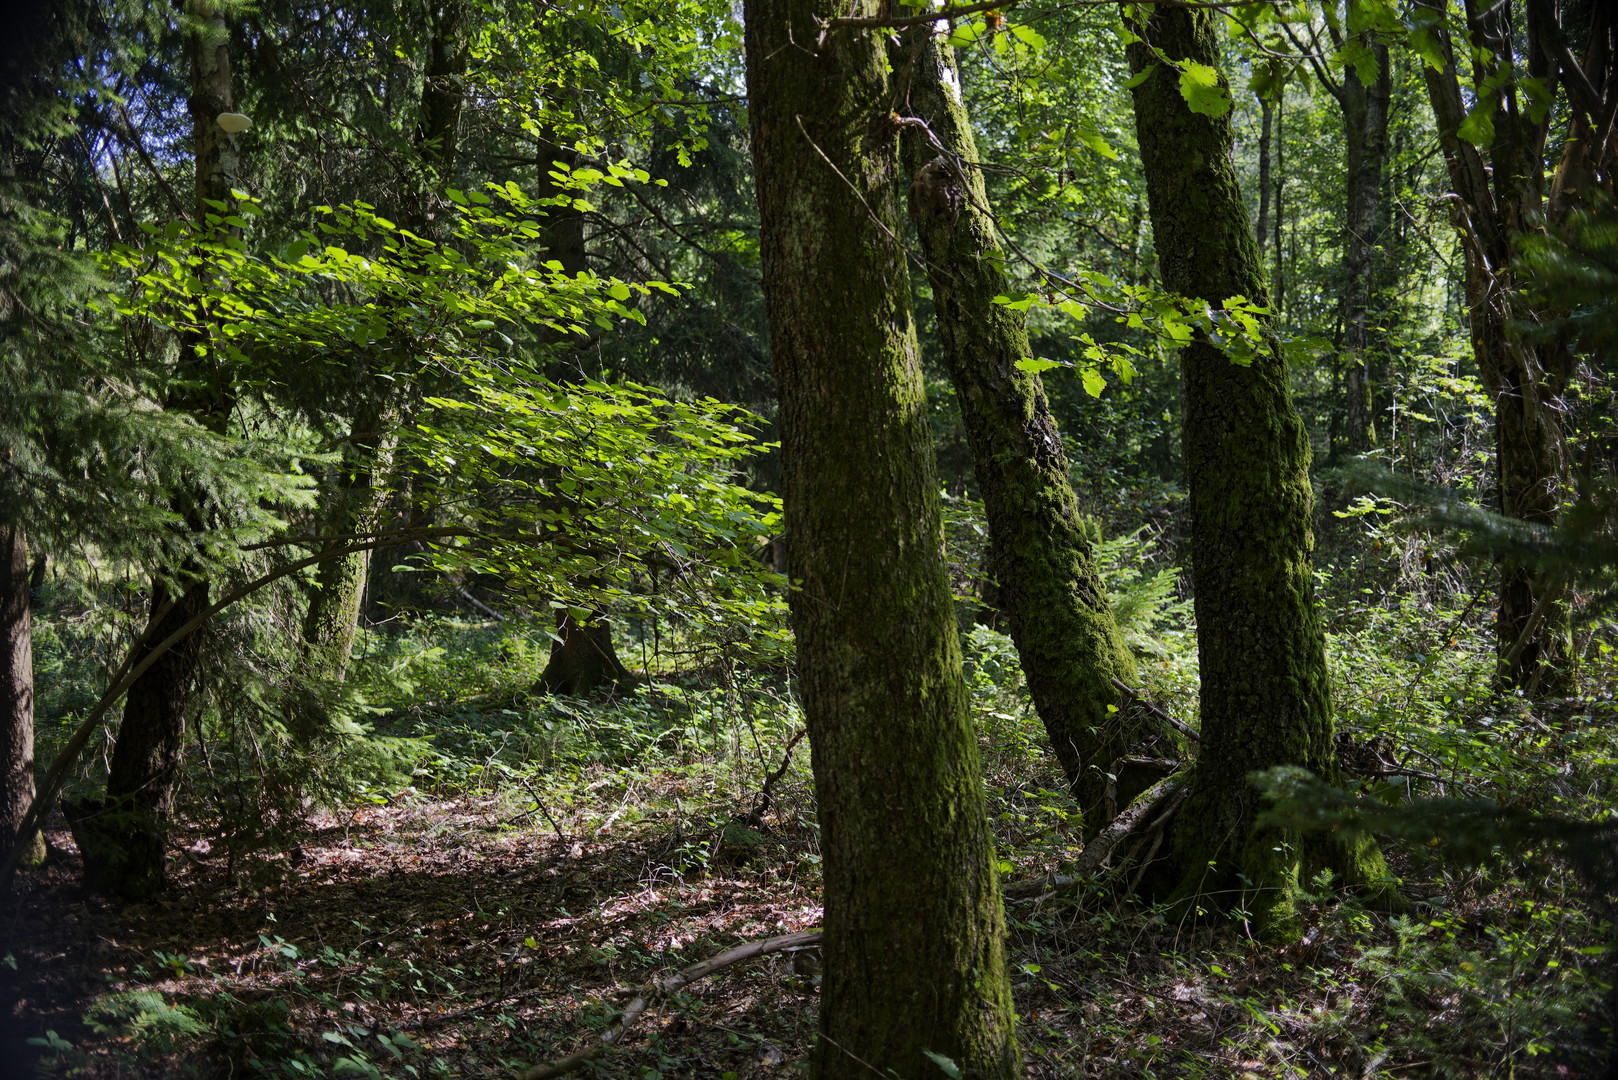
pixel 1154 804
pixel 539 804
pixel 1139 696
pixel 766 796
pixel 660 987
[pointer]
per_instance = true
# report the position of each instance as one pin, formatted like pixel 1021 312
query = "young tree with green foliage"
pixel 1049 587
pixel 914 928
pixel 1264 686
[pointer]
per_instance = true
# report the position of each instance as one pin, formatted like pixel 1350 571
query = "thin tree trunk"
pixel 1279 275
pixel 1265 692
pixel 123 838
pixel 1365 127
pixel 361 493
pixel 1050 590
pixel 16 695
pixel 914 928
pixel 1261 228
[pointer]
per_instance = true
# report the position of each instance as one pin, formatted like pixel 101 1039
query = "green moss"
pixel 1266 697
pixel 1050 590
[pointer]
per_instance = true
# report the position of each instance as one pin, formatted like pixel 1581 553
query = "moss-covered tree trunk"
pixel 1265 696
pixel 360 494
pixel 914 929
pixel 1049 589
pixel 123 838
pixel 16 694
pixel 332 617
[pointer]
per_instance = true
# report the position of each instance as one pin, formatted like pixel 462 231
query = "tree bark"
pixel 332 617
pixel 1262 228
pixel 359 497
pixel 1265 693
pixel 1049 588
pixel 16 695
pixel 1365 129
pixel 583 658
pixel 1499 197
pixel 123 838
pixel 914 928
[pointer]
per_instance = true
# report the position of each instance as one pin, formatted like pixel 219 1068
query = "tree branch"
pixel 660 987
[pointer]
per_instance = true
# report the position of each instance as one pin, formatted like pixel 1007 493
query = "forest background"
pixel 418 359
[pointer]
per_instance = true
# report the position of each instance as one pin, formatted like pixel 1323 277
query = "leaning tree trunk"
pixel 1049 588
pixel 16 695
pixel 1265 695
pixel 123 838
pixel 914 928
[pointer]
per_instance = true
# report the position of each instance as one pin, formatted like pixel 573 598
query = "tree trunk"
pixel 583 658
pixel 1262 228
pixel 361 493
pixel 1265 694
pixel 332 618
pixel 914 928
pixel 16 695
pixel 123 838
pixel 1365 127
pixel 1050 590
pixel 1499 197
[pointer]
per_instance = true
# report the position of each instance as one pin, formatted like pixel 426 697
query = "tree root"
pixel 1145 820
pixel 660 987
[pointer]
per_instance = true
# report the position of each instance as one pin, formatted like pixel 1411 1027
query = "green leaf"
pixel 1028 36
pixel 1426 45
pixel 950 1069
pixel 618 291
pixel 1478 127
pixel 1093 382
pixel 1091 138
pixel 1036 364
pixel 1199 85
pixel 1142 77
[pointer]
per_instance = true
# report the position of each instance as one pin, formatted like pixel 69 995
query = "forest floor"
pixel 527 863
pixel 465 938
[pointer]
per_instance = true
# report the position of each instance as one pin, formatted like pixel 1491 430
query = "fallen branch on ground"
pixel 660 987
pixel 1154 804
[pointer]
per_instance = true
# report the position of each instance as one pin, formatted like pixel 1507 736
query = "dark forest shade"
pixel 1265 694
pixel 1049 588
pixel 124 838
pixel 914 928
